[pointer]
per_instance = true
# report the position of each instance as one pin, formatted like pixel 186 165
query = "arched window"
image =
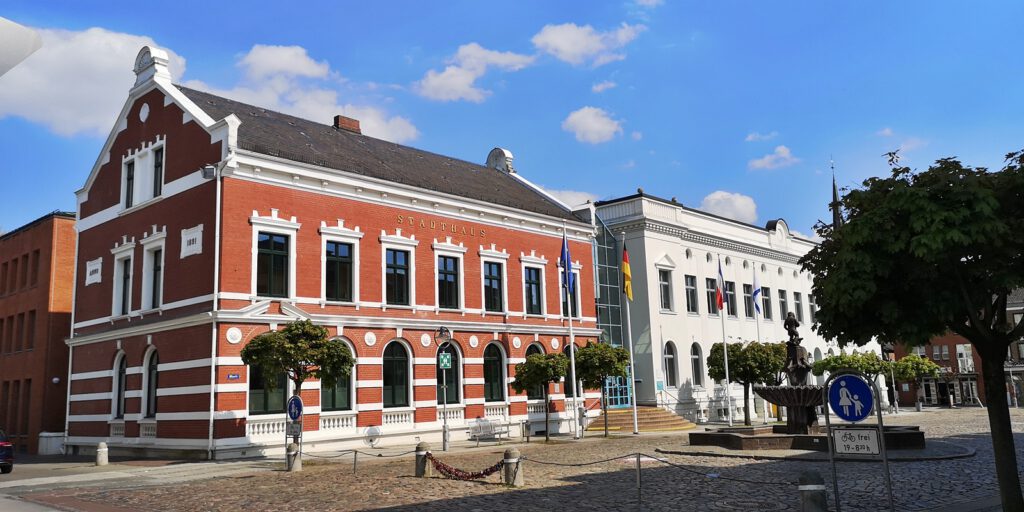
pixel 570 377
pixel 697 365
pixel 448 382
pixel 535 392
pixel 119 386
pixel 396 375
pixel 494 375
pixel 263 399
pixel 151 383
pixel 339 396
pixel 670 365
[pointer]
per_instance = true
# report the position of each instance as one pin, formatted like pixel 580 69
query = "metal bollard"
pixel 424 469
pixel 512 471
pixel 813 497
pixel 101 454
pixel 292 458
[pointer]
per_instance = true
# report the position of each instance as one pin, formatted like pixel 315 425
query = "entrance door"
pixel 617 391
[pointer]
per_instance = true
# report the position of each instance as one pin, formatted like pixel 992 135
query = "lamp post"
pixel 442 337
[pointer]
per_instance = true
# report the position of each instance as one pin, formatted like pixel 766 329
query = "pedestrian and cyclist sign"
pixel 850 398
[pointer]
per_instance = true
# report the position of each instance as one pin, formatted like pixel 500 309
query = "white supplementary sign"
pixel 855 441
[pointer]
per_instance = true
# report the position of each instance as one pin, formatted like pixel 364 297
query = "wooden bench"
pixel 487 429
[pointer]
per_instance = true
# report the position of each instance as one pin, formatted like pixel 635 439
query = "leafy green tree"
pixel 540 370
pixel 923 253
pixel 869 364
pixel 301 350
pixel 755 363
pixel 595 363
pixel 914 369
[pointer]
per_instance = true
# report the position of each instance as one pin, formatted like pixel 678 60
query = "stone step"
pixel 649 419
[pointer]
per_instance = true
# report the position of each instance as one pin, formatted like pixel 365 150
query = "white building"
pixel 674 253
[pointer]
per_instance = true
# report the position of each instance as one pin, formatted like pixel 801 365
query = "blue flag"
pixel 568 281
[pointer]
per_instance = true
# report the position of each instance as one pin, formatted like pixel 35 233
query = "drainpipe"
pixel 71 335
pixel 213 312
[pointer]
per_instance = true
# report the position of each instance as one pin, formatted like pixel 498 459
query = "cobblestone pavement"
pixel 704 483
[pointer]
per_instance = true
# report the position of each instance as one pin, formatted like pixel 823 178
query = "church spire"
pixel 837 215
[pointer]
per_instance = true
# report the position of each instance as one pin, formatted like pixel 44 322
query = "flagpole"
pixel 756 296
pixel 632 367
pixel 725 344
pixel 566 276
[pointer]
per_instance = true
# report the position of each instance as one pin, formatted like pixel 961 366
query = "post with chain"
pixel 813 497
pixel 639 492
pixel 512 470
pixel 355 460
pixel 423 467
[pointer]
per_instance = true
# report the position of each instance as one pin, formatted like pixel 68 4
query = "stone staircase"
pixel 649 419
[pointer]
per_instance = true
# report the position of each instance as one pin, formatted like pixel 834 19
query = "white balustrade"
pixel 454 414
pixel 535 408
pixel 397 418
pixel 147 430
pixel 117 430
pixel 256 427
pixel 346 422
pixel 496 412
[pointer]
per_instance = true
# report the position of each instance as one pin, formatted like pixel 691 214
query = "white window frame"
pixel 447 248
pixel 288 386
pixel 278 226
pixel 462 375
pixel 142 185
pixel 504 373
pixel 351 381
pixel 494 256
pixel 398 242
pixel 576 279
pixel 540 264
pixel 121 253
pixel 339 234
pixel 671 292
pixel 155 242
pixel 410 379
pixel 144 406
pixel 116 383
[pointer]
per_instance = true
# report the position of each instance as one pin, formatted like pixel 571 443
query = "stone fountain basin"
pixel 791 396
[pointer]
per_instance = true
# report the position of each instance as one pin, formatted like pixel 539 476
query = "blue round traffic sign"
pixel 294 408
pixel 850 398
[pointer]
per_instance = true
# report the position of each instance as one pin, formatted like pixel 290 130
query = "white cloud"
pixel 263 61
pixel 884 132
pixel 77 82
pixel 458 80
pixel 649 3
pixel 578 45
pixel 755 136
pixel 603 86
pixel 911 144
pixel 815 237
pixel 781 157
pixel 730 205
pixel 592 125
pixel 302 89
pixel 629 164
pixel 571 197
pixel 636 135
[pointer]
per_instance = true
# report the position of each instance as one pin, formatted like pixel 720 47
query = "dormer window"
pixel 143 175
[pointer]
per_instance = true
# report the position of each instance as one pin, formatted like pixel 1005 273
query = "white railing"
pixel 397 418
pixel 147 429
pixel 255 427
pixel 535 408
pixel 117 430
pixel 344 422
pixel 496 412
pixel 453 414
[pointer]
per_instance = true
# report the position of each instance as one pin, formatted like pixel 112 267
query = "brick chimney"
pixel 347 124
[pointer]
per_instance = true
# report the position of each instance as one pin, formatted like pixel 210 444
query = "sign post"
pixel 444 360
pixel 852 396
pixel 294 419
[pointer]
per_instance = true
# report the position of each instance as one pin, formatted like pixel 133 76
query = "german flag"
pixel 627 277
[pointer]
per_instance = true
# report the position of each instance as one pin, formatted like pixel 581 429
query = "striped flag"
pixel 720 286
pixel 627 276
pixel 757 293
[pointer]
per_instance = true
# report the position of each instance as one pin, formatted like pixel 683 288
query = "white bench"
pixel 487 429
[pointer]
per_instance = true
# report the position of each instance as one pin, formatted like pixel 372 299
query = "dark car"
pixel 6 454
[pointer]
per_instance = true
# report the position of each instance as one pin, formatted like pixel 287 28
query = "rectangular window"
pixel 35 268
pixel 730 298
pixel 447 282
pixel 936 352
pixel 665 283
pixel 129 184
pixel 3 343
pixel 783 305
pixel 125 293
pixel 262 399
pixel 19 334
pixel 945 352
pixel 30 330
pixel 798 305
pixel 534 298
pixel 3 278
pixel 812 306
pixel 709 286
pixel 338 272
pixel 766 302
pixel 338 397
pixel 396 280
pixel 919 351
pixel 155 299
pixel 748 300
pixel 24 271
pixel 690 283
pixel 158 172
pixel 272 265
pixel 12 284
pixel 574 303
pixel 493 300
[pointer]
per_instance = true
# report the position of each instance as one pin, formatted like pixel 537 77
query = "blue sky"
pixel 731 106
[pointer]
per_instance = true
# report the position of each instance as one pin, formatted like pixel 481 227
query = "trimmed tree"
pixel 923 253
pixel 869 364
pixel 914 369
pixel 541 370
pixel 595 363
pixel 755 363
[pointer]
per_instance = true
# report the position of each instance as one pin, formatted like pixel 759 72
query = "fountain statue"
pixel 798 396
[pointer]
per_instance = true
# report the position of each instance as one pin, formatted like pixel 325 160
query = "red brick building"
pixel 206 222
pixel 959 377
pixel 36 282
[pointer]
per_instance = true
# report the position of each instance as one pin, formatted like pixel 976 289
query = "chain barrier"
pixel 714 475
pixel 453 473
pixel 575 465
pixel 347 452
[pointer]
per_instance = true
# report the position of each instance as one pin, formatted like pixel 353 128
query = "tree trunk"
pixel 1002 435
pixel 746 402
pixel 547 422
pixel 604 410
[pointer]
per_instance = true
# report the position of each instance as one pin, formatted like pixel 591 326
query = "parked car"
pixel 6 454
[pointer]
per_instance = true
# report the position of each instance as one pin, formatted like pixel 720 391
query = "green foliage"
pixel 598 361
pixel 869 364
pixel 302 350
pixel 755 363
pixel 539 370
pixel 913 368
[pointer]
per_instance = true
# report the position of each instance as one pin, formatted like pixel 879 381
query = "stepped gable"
pixel 301 140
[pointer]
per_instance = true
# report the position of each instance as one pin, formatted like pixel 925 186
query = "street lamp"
pixel 442 337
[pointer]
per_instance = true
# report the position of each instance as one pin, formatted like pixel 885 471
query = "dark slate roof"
pixel 293 138
pixel 56 213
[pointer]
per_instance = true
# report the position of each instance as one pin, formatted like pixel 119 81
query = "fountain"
pixel 799 398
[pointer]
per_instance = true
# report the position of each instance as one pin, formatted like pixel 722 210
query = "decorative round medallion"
pixel 425 340
pixel 234 335
pixel 144 112
pixel 554 343
pixel 370 338
pixel 516 342
pixel 474 341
